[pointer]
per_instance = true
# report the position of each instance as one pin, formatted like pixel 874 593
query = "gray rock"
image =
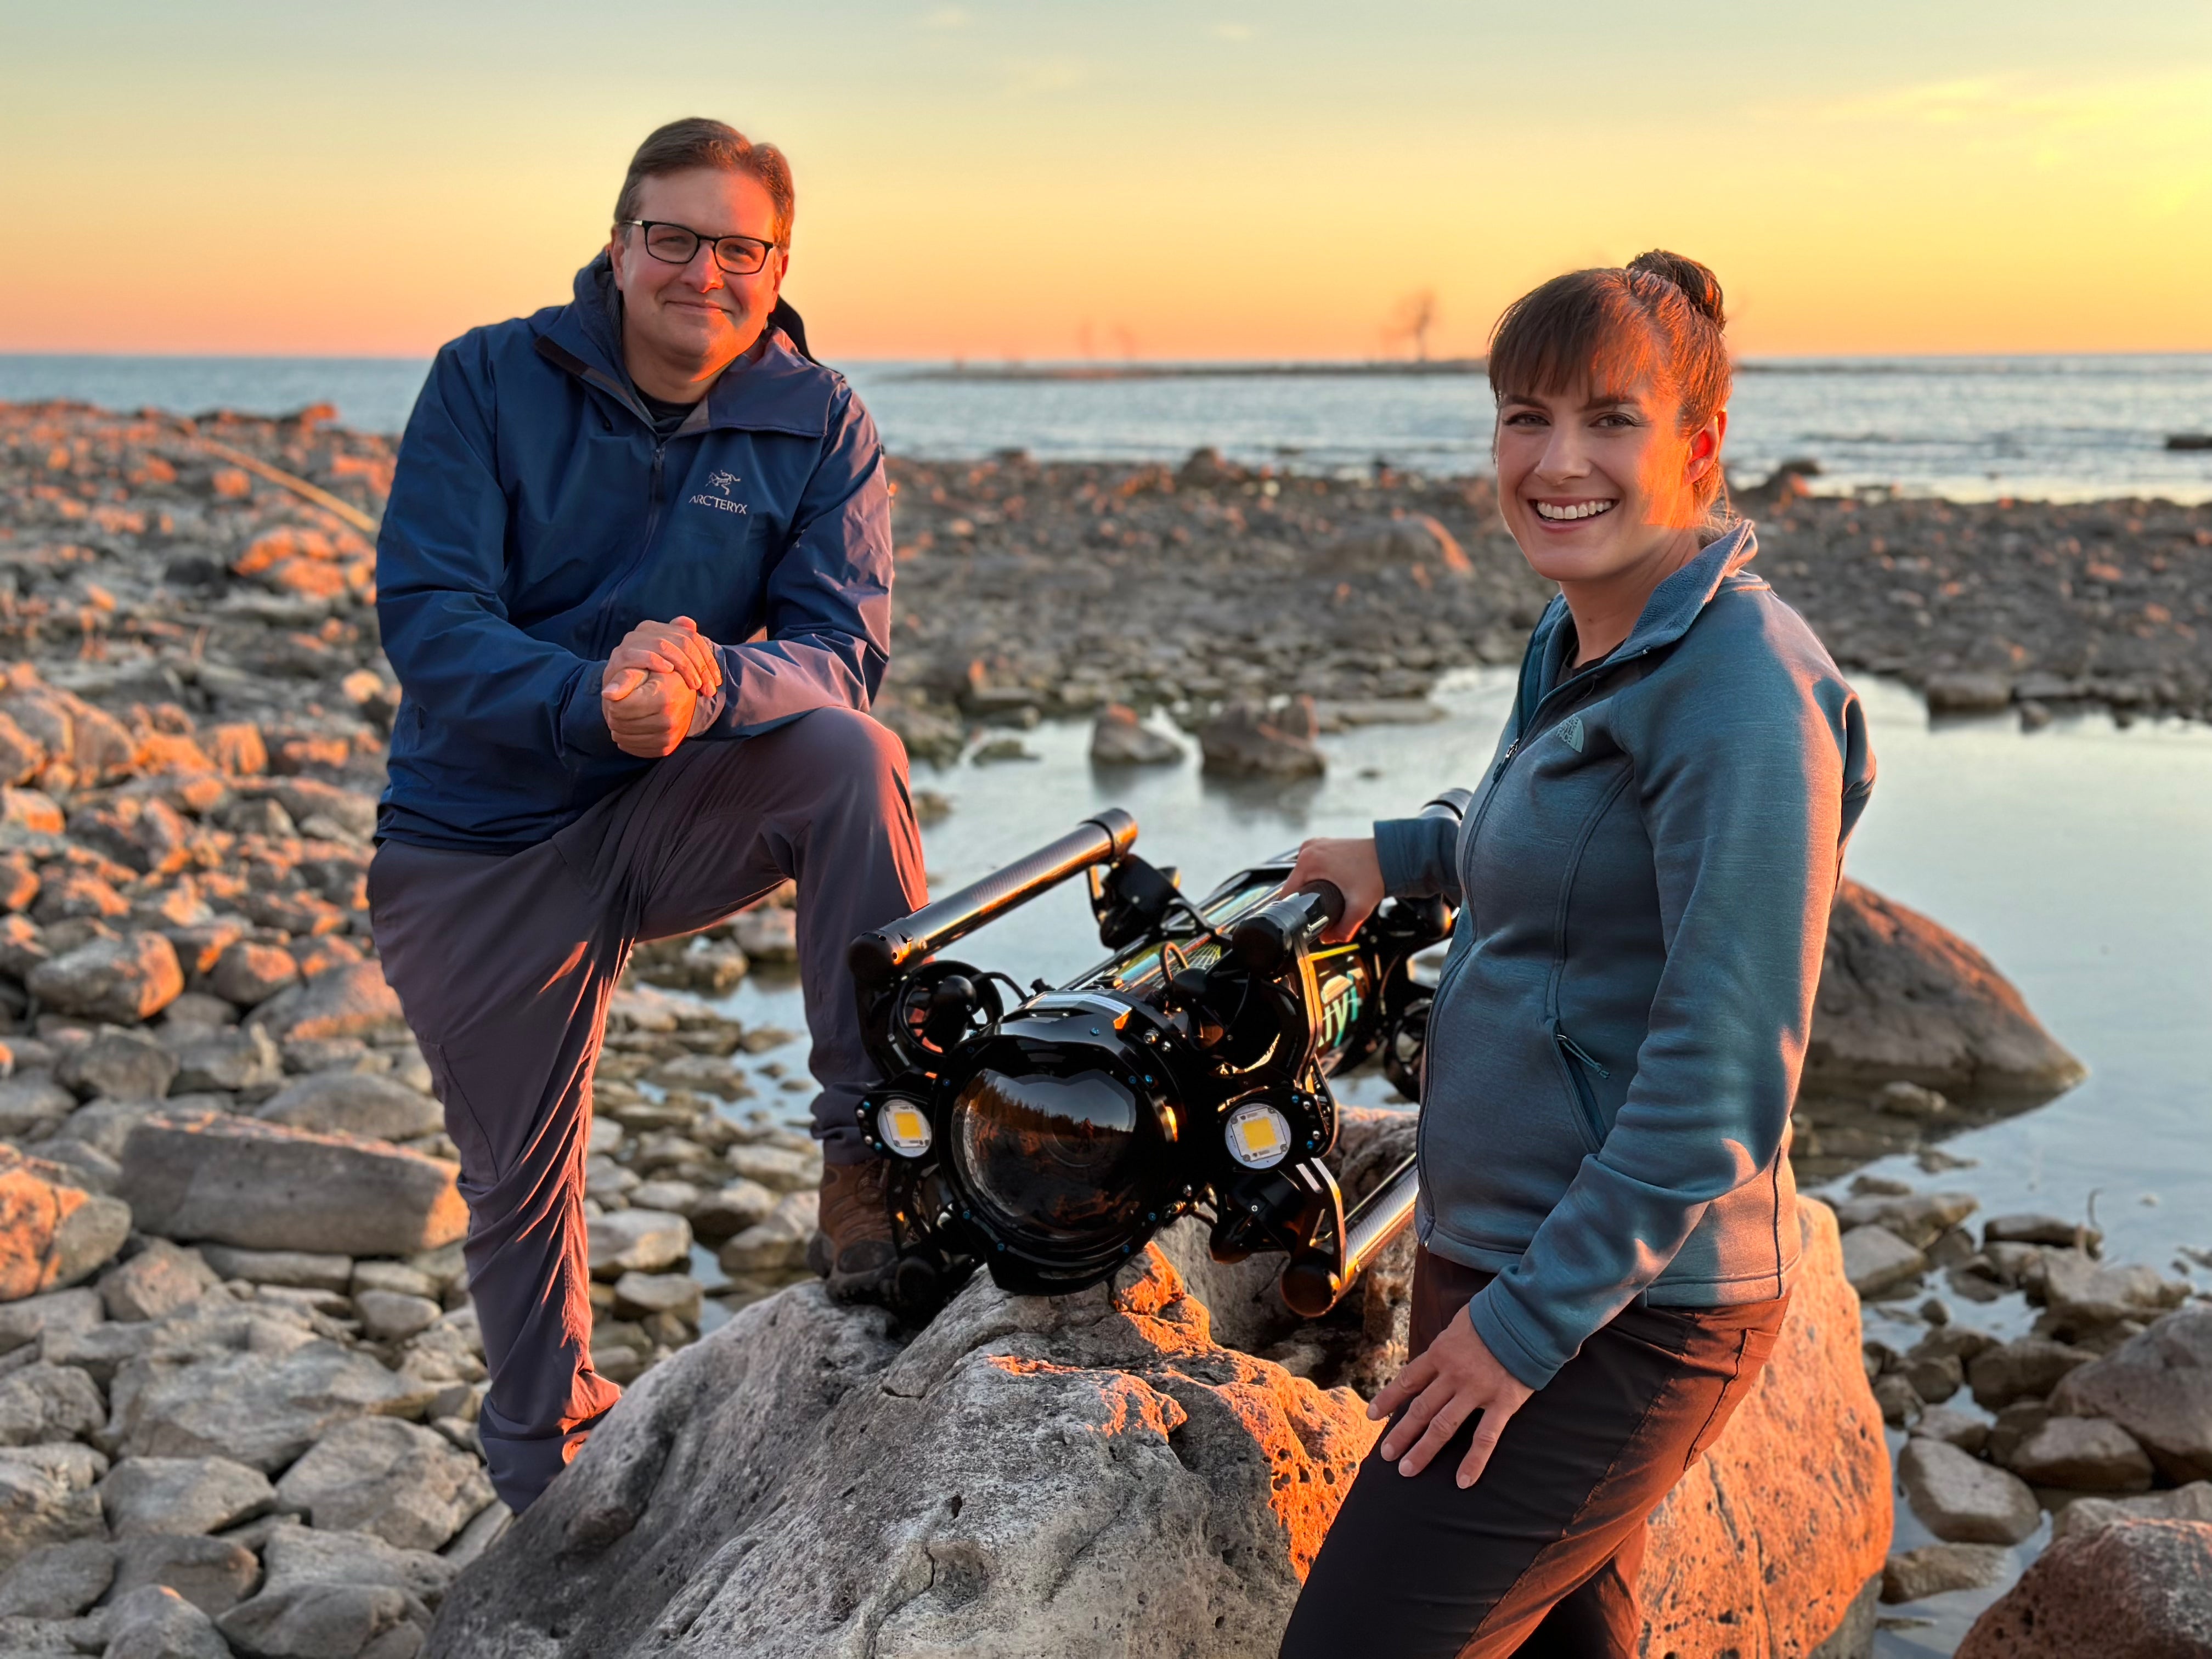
pixel 767 932
pixel 2085 1293
pixel 1877 1260
pixel 157 1282
pixel 1903 999
pixel 244 1057
pixel 144 1495
pixel 636 1241
pixel 232 1396
pixel 354 1103
pixel 730 1210
pixel 350 1000
pixel 1933 1568
pixel 778 1168
pixel 1954 1428
pixel 1915 1218
pixel 264 1187
pixel 1911 1100
pixel 299 1269
pixel 26 1321
pixel 2081 1454
pixel 1248 739
pixel 400 1483
pixel 85 1168
pixel 105 1124
pixel 2157 1385
pixel 777 1244
pixel 2021 1228
pixel 155 1622
pixel 2190 1502
pixel 120 1064
pixel 58 1581
pixel 2027 1368
pixel 211 1573
pixel 2134 1589
pixel 32 1104
pixel 42 1402
pixel 1120 737
pixel 393 1317
pixel 46 1497
pixel 249 973
pixel 333 1594
pixel 350 809
pixel 397 1276
pixel 639 1296
pixel 122 981
pixel 51 1232
pixel 100 1351
pixel 1962 1501
pixel 48 1639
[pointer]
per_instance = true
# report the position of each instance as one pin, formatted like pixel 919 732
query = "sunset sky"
pixel 1179 179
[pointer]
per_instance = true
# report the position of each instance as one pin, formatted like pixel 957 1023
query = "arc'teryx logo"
pixel 724 482
pixel 1571 733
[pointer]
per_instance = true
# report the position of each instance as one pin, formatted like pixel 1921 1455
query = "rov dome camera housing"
pixel 1049 1135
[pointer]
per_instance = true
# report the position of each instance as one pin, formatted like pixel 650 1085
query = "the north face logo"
pixel 1571 733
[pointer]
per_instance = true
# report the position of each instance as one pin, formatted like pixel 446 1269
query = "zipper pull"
pixel 1504 759
pixel 1580 1053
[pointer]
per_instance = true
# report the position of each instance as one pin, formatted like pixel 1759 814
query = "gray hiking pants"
pixel 504 964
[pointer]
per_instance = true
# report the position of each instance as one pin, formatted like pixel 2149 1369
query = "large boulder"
pixel 51 1232
pixel 238 1181
pixel 2134 1589
pixel 1903 999
pixel 1074 1474
pixel 1094 1473
pixel 1783 1549
pixel 405 1485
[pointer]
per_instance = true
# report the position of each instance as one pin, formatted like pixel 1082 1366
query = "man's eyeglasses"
pixel 740 256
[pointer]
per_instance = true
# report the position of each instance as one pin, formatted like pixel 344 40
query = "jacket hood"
pixel 772 387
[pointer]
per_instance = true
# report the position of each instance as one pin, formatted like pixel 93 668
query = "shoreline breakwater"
pixel 256 1413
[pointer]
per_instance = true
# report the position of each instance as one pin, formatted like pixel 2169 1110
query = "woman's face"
pixel 1592 482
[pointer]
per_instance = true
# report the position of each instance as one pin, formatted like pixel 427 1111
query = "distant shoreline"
pixel 1389 368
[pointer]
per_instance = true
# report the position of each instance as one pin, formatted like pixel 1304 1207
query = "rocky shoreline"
pixel 238 1372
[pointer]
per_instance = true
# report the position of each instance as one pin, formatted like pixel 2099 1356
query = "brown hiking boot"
pixel 854 1250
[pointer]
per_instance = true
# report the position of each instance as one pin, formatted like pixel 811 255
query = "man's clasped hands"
pixel 659 687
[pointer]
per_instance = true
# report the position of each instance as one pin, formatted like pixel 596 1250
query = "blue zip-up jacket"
pixel 536 518
pixel 1643 878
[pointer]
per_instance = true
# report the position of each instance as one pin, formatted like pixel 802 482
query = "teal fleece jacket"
pixel 1643 878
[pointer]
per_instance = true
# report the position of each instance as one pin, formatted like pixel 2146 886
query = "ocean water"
pixel 1969 428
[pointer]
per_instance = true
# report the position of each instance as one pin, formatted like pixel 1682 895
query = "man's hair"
pixel 696 142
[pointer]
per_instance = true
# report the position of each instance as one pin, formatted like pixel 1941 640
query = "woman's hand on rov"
pixel 1455 1377
pixel 1350 862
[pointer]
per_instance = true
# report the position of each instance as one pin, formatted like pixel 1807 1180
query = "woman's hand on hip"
pixel 1455 1377
pixel 1350 862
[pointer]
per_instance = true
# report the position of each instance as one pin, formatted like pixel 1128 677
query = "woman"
pixel 1607 1223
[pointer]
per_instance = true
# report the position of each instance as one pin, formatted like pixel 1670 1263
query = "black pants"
pixel 505 963
pixel 1540 1557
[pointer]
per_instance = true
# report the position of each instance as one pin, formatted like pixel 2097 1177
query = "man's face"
pixel 697 312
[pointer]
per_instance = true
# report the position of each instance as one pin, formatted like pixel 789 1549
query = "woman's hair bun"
pixel 1699 285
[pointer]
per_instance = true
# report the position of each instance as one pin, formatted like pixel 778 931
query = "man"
pixel 634 576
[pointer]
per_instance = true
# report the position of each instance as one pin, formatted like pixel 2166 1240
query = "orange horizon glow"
pixel 997 185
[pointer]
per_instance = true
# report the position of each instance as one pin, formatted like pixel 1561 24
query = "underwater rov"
pixel 1048 1134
